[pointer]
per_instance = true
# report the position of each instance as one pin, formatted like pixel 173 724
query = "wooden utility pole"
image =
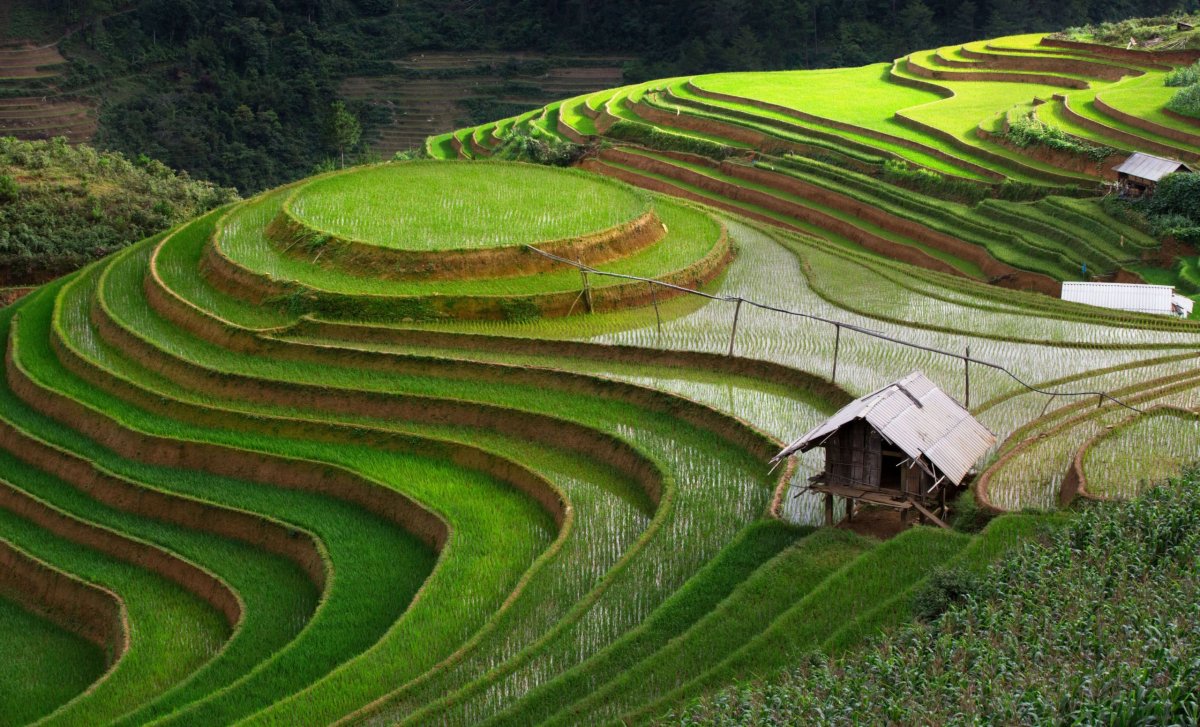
pixel 657 315
pixel 967 379
pixel 837 344
pixel 737 311
pixel 587 290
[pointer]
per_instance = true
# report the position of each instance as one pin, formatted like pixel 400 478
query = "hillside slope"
pixel 285 413
pixel 985 160
pixel 488 442
pixel 63 206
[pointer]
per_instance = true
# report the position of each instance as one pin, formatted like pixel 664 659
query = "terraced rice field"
pixel 40 111
pixel 943 111
pixel 428 93
pixel 354 452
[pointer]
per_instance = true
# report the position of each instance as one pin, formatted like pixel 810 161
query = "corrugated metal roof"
pixel 918 418
pixel 1148 166
pixel 1122 296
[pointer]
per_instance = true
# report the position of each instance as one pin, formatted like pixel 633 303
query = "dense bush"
pixel 1028 130
pixel 521 146
pixel 929 182
pixel 654 137
pixel 1099 626
pixel 1160 28
pixel 10 191
pixel 1174 209
pixel 63 206
pixel 1185 76
pixel 944 588
pixel 1186 101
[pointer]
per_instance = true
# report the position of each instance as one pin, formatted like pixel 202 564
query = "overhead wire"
pixel 967 359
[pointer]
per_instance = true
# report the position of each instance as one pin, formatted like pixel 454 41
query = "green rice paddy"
pixel 543 497
pixel 435 207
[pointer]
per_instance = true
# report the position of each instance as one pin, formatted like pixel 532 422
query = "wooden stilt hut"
pixel 901 447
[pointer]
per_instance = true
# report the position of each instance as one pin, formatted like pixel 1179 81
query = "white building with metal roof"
pixel 1138 298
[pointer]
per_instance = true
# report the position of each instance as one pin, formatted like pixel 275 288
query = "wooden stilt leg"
pixel 828 509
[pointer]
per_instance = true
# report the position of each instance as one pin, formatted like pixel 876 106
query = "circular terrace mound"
pixel 434 220
pixel 457 240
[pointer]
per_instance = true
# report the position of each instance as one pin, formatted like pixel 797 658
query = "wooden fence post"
pixel 657 315
pixel 737 311
pixel 587 290
pixel 967 379
pixel 837 344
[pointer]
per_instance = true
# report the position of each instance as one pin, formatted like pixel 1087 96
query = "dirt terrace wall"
pixel 8 296
pixel 1183 117
pixel 567 131
pixel 288 234
pixel 859 130
pixel 90 612
pixel 1075 482
pixel 197 581
pixel 1072 415
pixel 657 185
pixel 227 276
pixel 1063 160
pixel 1170 58
pixel 479 149
pixel 533 427
pixel 224 461
pixel 124 495
pixel 466 414
pixel 756 139
pixel 994 76
pixel 961 249
pixel 723 425
pixel 1147 125
pixel 1077 66
pixel 1133 140
pixel 998 159
pixel 235 281
pixel 867 239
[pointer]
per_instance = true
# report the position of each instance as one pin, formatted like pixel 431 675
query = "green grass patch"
pixel 44 666
pixel 432 206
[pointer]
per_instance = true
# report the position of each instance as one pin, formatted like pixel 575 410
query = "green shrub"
pixel 1185 76
pixel 1186 101
pixel 75 204
pixel 944 588
pixel 9 189
pixel 899 173
pixel 1173 210
pixel 968 516
pixel 654 137
pixel 521 146
pixel 1028 130
pixel 1178 226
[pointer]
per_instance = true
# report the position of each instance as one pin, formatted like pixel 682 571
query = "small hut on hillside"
pixel 900 447
pixel 1140 174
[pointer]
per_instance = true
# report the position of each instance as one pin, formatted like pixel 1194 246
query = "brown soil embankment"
pixel 93 613
pixel 359 258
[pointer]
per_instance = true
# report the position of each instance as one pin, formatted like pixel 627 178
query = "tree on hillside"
pixel 964 22
pixel 915 27
pixel 344 129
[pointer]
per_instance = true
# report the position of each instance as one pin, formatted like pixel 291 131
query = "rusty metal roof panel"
pixel 1148 166
pixel 918 418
